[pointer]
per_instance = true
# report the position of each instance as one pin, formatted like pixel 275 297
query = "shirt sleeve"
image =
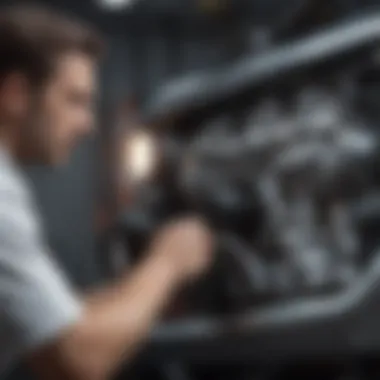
pixel 36 302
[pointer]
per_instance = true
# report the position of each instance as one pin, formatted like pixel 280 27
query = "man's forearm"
pixel 117 320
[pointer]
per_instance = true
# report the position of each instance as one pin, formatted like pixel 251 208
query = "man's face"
pixel 62 113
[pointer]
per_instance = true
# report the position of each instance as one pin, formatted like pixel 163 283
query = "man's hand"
pixel 187 245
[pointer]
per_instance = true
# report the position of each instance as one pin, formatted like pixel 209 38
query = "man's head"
pixel 47 83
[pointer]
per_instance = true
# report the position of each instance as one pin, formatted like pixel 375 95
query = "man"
pixel 47 87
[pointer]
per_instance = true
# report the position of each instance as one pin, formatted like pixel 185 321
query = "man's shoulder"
pixel 13 185
pixel 18 214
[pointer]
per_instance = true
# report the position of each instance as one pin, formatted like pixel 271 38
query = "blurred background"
pixel 238 72
pixel 150 42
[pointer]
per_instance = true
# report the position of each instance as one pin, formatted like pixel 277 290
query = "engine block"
pixel 281 158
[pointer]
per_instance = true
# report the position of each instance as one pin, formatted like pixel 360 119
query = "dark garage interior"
pixel 266 116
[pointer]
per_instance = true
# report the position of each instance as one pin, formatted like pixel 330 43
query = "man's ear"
pixel 15 95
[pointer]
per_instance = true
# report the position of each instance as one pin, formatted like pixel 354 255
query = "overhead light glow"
pixel 140 156
pixel 115 5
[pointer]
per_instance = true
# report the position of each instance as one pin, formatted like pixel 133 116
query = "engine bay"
pixel 280 154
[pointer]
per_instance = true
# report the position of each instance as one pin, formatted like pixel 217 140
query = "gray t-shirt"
pixel 36 302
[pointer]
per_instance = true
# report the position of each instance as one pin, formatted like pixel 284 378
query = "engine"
pixel 291 189
pixel 280 154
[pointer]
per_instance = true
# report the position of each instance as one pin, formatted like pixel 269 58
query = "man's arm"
pixel 116 321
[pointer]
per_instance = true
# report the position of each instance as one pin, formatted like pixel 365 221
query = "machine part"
pixel 290 210
pixel 189 95
pixel 251 267
pixel 290 179
pixel 174 371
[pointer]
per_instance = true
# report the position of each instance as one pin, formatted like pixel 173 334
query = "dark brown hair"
pixel 32 38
